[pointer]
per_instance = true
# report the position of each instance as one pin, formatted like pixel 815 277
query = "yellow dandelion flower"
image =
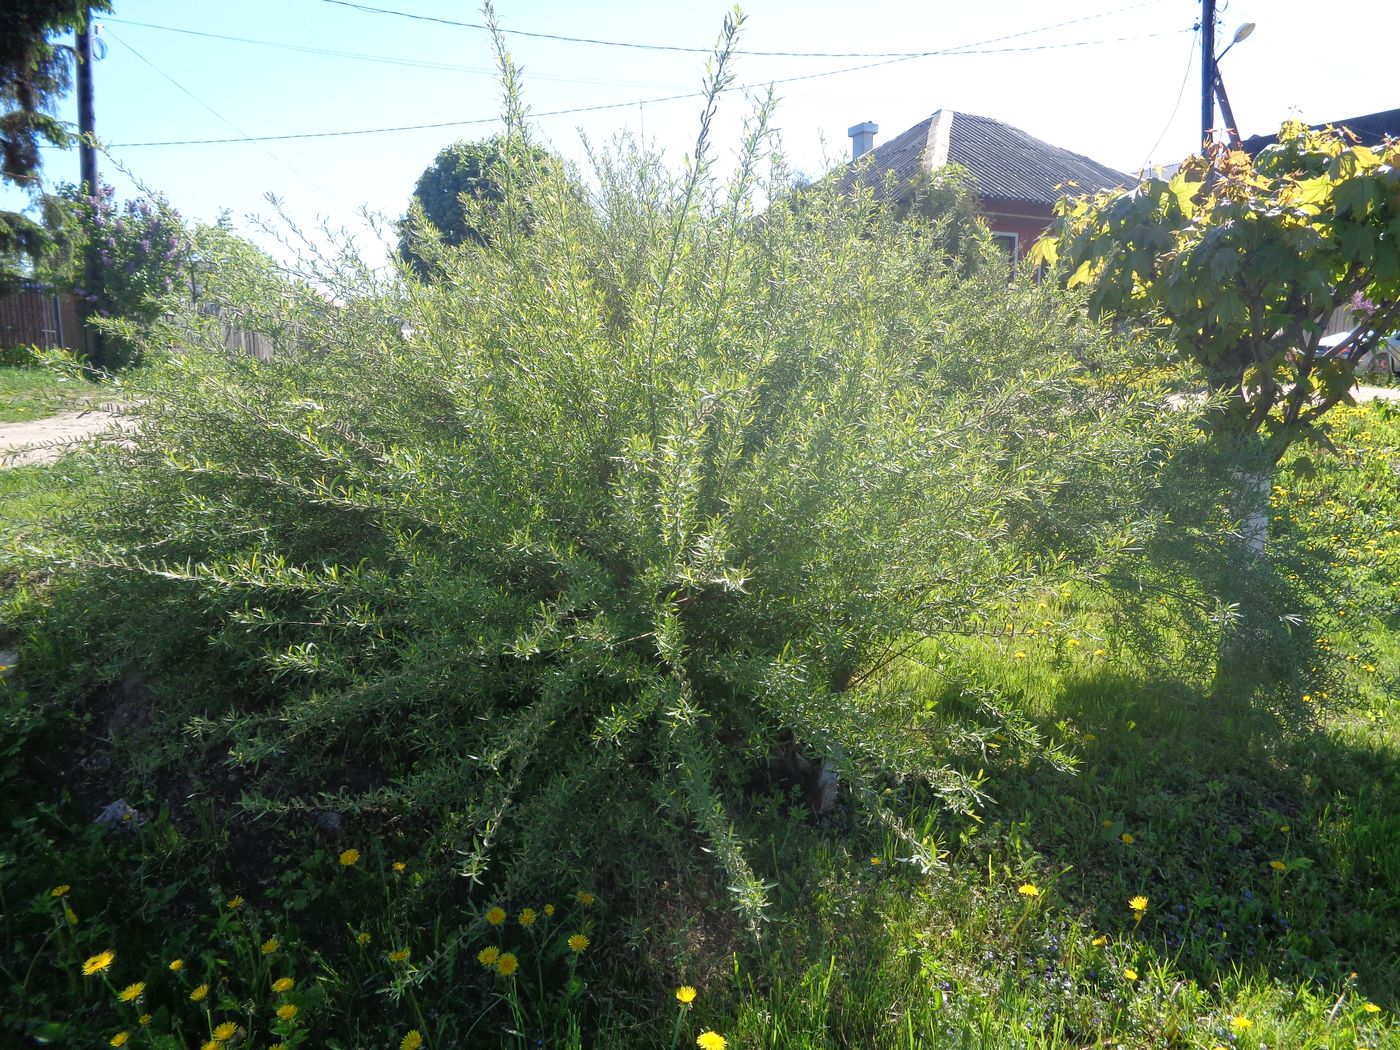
pixel 507 964
pixel 1240 1024
pixel 528 917
pixel 488 955
pixel 578 942
pixel 585 898
pixel 400 866
pixel 1089 738
pixel 176 965
pixel 1278 865
pixel 1073 642
pixel 685 994
pixel 144 1019
pixel 287 1011
pixel 362 938
pixel 1130 974
pixel 876 861
pixel 60 891
pixel 1127 839
pixel 399 956
pixel 120 1039
pixel 270 945
pixel 278 1046
pixel 412 1041
pixel 1028 889
pixel 199 994
pixel 211 1044
pixel 1108 823
pixel 1139 906
pixel 1020 654
pixel 226 1031
pixel 132 992
pixel 350 858
pixel 283 984
pixel 549 910
pixel 1099 652
pixel 711 1041
pixel 99 962
pixel 1099 941
pixel 234 902
pixel 495 916
pixel 1285 828
pixel 1371 1008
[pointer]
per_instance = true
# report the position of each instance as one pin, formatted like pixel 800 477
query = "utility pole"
pixel 87 154
pixel 87 166
pixel 1207 70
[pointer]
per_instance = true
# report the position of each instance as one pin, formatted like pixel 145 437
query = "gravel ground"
pixel 44 440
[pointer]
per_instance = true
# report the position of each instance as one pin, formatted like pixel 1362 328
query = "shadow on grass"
pixel 1212 802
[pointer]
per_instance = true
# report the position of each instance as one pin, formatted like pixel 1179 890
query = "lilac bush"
pixel 143 250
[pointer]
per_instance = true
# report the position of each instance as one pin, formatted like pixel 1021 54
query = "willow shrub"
pixel 553 557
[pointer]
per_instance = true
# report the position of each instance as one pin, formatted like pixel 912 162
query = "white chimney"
pixel 862 138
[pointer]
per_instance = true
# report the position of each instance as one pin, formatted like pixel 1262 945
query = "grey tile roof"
pixel 1005 162
pixel 897 160
pixel 1370 128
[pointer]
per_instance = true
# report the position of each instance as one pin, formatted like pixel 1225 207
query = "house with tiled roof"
pixel 1017 177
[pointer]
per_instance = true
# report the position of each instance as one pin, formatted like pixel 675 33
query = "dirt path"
pixel 40 441
pixel 1378 393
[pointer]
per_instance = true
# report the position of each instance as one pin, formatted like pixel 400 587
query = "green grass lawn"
pixel 33 393
pixel 1255 823
pixel 1260 823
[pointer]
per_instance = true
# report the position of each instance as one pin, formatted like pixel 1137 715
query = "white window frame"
pixel 999 236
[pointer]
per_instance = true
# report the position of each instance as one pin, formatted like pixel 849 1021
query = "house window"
pixel 1010 243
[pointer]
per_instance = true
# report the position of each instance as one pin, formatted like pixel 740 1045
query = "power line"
pixel 244 137
pixel 1180 94
pixel 367 9
pixel 302 48
pixel 960 50
pixel 363 56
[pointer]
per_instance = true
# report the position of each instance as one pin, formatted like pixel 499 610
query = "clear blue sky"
pixel 1106 85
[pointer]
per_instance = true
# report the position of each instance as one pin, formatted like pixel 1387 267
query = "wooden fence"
pixel 38 316
pixel 254 344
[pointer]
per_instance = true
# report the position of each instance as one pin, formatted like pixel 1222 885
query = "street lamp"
pixel 1240 34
